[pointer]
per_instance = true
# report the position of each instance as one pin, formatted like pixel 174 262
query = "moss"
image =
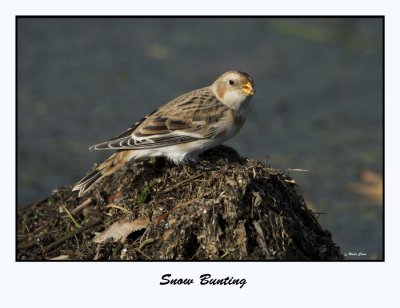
pixel 144 195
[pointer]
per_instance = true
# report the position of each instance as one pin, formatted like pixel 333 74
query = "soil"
pixel 226 208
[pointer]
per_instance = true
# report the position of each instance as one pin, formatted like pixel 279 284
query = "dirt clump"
pixel 226 208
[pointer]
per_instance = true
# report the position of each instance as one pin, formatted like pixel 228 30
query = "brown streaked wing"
pixel 131 129
pixel 190 113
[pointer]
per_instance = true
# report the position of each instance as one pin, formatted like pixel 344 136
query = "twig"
pixel 227 253
pixel 261 237
pixel 319 213
pixel 60 258
pixel 72 234
pixel 71 217
pixel 111 205
pixel 145 242
pixel 22 237
pixel 138 250
pixel 179 184
pixel 159 218
pixel 81 206
pixel 33 204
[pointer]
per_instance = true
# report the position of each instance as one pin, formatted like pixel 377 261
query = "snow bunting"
pixel 181 129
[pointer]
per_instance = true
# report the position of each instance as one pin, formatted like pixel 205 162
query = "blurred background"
pixel 318 107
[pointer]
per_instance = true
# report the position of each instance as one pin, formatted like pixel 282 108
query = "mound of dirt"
pixel 229 208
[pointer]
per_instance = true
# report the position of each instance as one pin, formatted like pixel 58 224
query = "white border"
pixel 136 284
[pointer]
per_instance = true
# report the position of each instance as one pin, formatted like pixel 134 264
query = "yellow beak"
pixel 248 89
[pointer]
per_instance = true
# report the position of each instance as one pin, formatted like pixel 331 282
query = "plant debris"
pixel 120 230
pixel 225 208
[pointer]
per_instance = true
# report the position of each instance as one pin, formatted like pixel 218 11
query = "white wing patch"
pixel 133 142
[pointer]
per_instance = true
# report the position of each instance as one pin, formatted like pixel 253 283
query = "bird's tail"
pixel 108 167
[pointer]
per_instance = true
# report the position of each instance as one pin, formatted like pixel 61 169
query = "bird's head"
pixel 233 88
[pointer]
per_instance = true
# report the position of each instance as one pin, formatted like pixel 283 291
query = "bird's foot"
pixel 203 166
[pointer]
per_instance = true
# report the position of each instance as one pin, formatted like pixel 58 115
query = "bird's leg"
pixel 196 163
pixel 201 166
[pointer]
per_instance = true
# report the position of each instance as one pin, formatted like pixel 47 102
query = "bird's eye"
pixel 231 82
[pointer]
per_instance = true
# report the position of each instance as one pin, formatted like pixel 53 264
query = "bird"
pixel 181 129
